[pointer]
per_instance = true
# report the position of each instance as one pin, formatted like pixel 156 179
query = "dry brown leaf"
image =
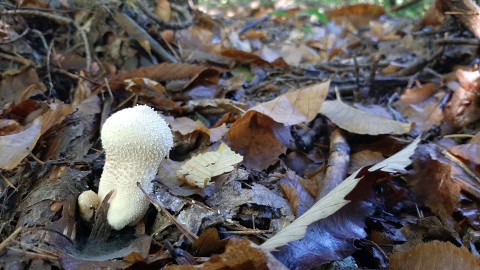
pixel 239 254
pixel 359 15
pixel 419 94
pixel 18 87
pixel 356 121
pixel 15 147
pixel 163 10
pixel 246 57
pixel 185 126
pixel 434 255
pixel 254 136
pixel 469 151
pixel 199 170
pixel 162 72
pixel 295 107
pixel 364 158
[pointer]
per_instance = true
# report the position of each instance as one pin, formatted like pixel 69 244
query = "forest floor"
pixel 339 139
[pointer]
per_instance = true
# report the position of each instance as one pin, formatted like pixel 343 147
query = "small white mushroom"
pixel 136 140
pixel 87 203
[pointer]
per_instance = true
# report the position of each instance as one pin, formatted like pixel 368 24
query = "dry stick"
pixel 7 241
pixel 17 59
pixel 8 182
pixel 338 161
pixel 467 12
pixel 138 33
pixel 59 19
pixel 16 38
pixel 186 232
pixel 404 5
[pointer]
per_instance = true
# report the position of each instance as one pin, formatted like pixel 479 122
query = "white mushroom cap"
pixel 87 203
pixel 136 140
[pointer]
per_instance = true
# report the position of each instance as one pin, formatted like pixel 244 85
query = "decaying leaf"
pixel 434 255
pixel 200 169
pixel 239 254
pixel 359 122
pixel 335 200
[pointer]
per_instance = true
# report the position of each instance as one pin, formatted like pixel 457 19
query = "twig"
pixel 7 241
pixel 167 25
pixel 59 19
pixel 17 59
pixel 8 182
pixel 49 74
pixel 186 232
pixel 247 232
pixel 404 5
pixel 457 41
pixel 132 28
pixel 467 12
pixel 458 162
pixel 16 38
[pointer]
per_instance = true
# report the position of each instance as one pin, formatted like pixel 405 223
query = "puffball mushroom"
pixel 87 203
pixel 135 140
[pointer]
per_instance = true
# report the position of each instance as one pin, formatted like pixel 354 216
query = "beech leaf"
pixel 295 107
pixel 434 255
pixel 200 169
pixel 359 122
pixel 335 200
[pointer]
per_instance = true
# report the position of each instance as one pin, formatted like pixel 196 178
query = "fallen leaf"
pixel 239 254
pixel 297 106
pixel 162 72
pixel 15 147
pixel 434 255
pixel 335 200
pixel 359 122
pixel 255 137
pixel 200 169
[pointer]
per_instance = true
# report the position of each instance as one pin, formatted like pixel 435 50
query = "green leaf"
pixel 313 12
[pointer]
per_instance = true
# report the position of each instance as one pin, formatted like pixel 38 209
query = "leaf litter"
pixel 305 136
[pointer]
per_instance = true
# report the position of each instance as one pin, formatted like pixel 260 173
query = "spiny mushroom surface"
pixel 135 140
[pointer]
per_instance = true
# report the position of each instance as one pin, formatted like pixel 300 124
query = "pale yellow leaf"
pixel 335 200
pixel 359 122
pixel 200 169
pixel 295 107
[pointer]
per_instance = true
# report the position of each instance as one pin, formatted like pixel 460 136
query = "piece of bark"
pixel 338 161
pixel 467 12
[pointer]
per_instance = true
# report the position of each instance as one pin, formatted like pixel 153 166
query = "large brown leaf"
pixel 434 255
pixel 254 137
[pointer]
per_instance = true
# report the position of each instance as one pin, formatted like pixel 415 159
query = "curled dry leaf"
pixel 200 169
pixel 359 122
pixel 185 126
pixel 15 147
pixel 335 200
pixel 259 133
pixel 297 106
pixel 434 255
